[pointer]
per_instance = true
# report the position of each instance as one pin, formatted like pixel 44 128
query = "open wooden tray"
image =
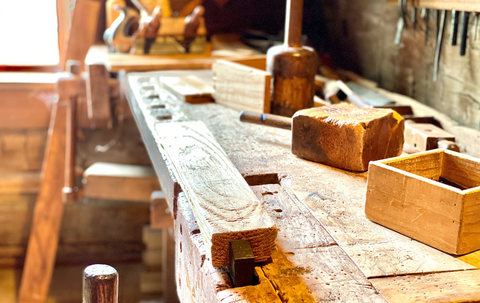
pixel 432 197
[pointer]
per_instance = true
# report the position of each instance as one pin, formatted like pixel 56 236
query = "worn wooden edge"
pixel 261 233
pixel 456 286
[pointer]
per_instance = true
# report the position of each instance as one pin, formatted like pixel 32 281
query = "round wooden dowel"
pixel 100 284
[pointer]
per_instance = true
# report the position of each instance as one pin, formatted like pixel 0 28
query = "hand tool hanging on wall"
pixel 426 16
pixel 414 17
pixel 293 67
pixel 477 15
pixel 454 27
pixel 340 135
pixel 438 47
pixel 402 5
pixel 464 32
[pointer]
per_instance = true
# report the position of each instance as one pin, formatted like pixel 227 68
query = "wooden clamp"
pixel 100 284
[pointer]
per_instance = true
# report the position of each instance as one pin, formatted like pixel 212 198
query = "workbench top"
pixel 326 249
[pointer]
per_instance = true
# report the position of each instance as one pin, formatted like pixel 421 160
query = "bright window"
pixel 28 32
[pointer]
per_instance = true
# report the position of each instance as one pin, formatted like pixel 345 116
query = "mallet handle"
pixel 266 119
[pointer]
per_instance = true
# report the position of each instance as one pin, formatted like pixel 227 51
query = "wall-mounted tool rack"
pixel 459 5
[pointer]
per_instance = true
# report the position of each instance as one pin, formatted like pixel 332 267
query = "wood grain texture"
pixel 308 265
pixel 459 286
pixel 347 137
pixel 100 284
pixel 47 217
pixel 231 79
pixel 190 89
pixel 225 207
pixel 376 250
pixel 334 198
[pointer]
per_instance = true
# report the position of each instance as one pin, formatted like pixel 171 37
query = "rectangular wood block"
pixel 242 85
pixel 120 182
pixel 432 197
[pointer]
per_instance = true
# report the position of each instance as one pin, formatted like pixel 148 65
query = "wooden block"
pixel 432 197
pixel 425 136
pixel 225 207
pixel 190 89
pixel 242 87
pixel 120 182
pixel 160 214
pixel 347 137
pixel 459 286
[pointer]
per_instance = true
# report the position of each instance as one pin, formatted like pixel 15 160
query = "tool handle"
pixel 266 119
pixel 100 284
pixel 293 23
pixel 464 32
pixel 447 144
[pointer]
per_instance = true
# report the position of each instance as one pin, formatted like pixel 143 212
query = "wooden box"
pixel 432 197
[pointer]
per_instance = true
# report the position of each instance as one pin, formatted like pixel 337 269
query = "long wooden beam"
pixel 225 207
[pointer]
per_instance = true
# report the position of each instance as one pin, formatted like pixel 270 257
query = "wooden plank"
pixel 20 183
pixel 459 5
pixel 168 269
pixel 120 182
pixel 459 286
pixel 25 105
pixel 48 214
pixel 22 150
pixel 231 80
pixel 224 205
pixel 308 266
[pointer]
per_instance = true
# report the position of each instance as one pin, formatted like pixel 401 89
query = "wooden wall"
pixel 360 37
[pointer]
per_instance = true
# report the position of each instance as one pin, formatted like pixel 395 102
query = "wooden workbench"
pixel 327 250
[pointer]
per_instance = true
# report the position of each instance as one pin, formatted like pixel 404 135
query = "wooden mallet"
pixel 340 135
pixel 293 67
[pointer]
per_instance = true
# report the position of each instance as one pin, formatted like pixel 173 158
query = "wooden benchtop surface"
pixel 327 250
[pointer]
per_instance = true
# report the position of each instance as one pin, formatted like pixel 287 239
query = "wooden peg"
pixel 100 284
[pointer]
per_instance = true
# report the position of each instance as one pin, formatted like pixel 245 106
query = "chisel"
pixel 425 15
pixel 401 21
pixel 464 32
pixel 454 27
pixel 438 47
